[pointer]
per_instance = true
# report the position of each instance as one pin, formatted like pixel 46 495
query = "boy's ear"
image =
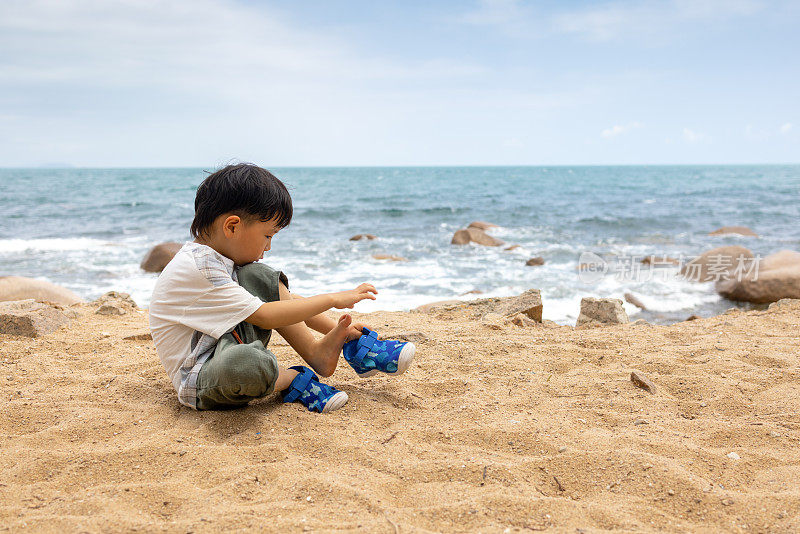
pixel 230 225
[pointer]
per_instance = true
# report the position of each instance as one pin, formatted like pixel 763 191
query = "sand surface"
pixel 494 429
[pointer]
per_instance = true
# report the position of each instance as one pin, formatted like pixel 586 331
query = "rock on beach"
pixel 605 311
pixel 31 318
pixel 529 304
pixel 21 288
pixel 114 303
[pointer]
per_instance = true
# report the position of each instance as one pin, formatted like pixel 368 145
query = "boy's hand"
pixel 355 331
pixel 347 299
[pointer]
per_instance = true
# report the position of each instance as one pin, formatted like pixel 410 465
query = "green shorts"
pixel 238 373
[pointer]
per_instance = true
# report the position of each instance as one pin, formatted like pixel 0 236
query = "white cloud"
pixel 608 20
pixel 786 128
pixel 618 129
pixel 615 20
pixel 188 45
pixel 693 137
pixel 490 12
pixel 509 16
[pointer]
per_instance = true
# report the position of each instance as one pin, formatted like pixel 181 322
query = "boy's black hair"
pixel 245 190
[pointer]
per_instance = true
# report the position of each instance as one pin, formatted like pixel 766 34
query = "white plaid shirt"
pixel 218 270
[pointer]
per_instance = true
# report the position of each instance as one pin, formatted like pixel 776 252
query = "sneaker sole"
pixel 403 362
pixel 336 402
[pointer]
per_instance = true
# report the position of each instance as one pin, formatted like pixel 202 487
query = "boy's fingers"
pixel 368 287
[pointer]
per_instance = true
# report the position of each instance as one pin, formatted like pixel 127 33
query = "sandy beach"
pixel 496 428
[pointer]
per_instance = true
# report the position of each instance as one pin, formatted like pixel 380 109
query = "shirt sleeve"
pixel 220 309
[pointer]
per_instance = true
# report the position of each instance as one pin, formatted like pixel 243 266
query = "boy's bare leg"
pixel 323 323
pixel 323 354
pixel 285 377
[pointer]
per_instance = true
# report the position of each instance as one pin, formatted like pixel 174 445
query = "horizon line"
pixel 410 166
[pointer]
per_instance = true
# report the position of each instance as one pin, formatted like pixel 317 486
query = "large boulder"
pixel 30 318
pixel 474 235
pixel 718 264
pixel 21 288
pixel 740 230
pixel 159 256
pixel 607 311
pixel 776 277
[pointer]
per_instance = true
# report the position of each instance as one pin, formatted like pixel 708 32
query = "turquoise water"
pixel 88 229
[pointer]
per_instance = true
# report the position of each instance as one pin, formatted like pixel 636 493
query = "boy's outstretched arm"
pixel 324 324
pixel 277 314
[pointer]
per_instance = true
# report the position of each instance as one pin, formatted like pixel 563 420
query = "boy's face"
pixel 250 240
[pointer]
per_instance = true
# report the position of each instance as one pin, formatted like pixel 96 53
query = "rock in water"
pixel 741 230
pixel 30 318
pixel 660 261
pixel 482 238
pixel 718 264
pixel 22 288
pixel 641 381
pixel 159 256
pixel 113 303
pixel 481 225
pixel 359 237
pixel 608 311
pixel 474 235
pixel 390 257
pixel 538 260
pixel 631 298
pixel 777 277
pixel 461 237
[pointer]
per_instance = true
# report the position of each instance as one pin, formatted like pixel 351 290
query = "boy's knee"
pixel 283 291
pixel 252 272
pixel 252 372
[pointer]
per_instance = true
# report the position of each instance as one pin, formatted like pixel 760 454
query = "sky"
pixel 150 83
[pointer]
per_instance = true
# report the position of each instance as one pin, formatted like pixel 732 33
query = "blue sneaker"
pixel 313 394
pixel 367 355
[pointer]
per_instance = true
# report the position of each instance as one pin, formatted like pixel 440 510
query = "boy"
pixel 214 307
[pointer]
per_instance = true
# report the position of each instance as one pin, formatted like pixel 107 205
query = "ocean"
pixel 88 229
